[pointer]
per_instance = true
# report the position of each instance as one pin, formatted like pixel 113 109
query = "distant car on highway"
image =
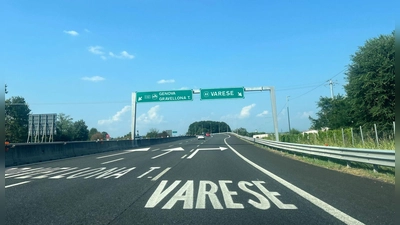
pixel 201 137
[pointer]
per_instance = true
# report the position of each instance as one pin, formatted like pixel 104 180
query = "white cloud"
pixel 305 115
pixel 94 78
pixel 116 117
pixel 122 55
pixel 245 112
pixel 184 88
pixel 71 32
pixel 87 31
pixel 264 113
pixel 165 81
pixel 103 57
pixel 151 116
pixel 97 50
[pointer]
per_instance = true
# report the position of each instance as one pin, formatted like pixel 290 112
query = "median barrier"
pixel 26 153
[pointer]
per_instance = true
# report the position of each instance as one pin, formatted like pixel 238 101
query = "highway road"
pixel 220 180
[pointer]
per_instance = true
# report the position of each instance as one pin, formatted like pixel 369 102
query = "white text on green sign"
pixel 164 96
pixel 221 93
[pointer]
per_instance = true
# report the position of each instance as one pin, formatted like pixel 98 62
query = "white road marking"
pixel 180 143
pixel 155 149
pixel 317 202
pixel 12 185
pixel 160 155
pixel 200 149
pixel 46 175
pixel 198 145
pixel 183 156
pixel 115 160
pixel 151 169
pixel 168 151
pixel 125 152
pixel 192 150
pixel 170 146
pixel 160 174
pixel 28 173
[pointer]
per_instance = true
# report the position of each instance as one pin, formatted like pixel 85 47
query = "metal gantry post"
pixel 133 127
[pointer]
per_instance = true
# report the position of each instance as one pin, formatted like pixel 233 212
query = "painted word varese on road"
pixel 164 96
pixel 208 189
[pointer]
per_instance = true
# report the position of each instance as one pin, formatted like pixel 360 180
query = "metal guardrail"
pixel 375 157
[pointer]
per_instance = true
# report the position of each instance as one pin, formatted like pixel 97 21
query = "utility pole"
pixel 288 116
pixel 331 85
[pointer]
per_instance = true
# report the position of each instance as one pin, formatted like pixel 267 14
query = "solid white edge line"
pixel 183 156
pixel 112 161
pixel 12 185
pixel 160 174
pixel 319 203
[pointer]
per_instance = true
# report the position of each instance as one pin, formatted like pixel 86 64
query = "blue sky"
pixel 85 59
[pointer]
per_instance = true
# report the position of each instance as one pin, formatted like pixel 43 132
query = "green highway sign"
pixel 174 131
pixel 221 93
pixel 164 96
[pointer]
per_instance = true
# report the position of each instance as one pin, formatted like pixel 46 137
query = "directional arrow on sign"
pixel 205 149
pixel 168 151
pixel 125 152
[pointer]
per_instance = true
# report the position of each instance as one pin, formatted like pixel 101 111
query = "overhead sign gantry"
pixel 205 94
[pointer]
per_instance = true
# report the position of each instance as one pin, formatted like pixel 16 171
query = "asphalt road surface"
pixel 219 180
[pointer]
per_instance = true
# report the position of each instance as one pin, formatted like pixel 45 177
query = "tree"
pixel 16 120
pixel 80 131
pixel 241 131
pixel 104 135
pixel 200 127
pixel 6 92
pixel 64 128
pixel 371 82
pixel 334 113
pixel 96 136
pixel 92 132
pixel 294 131
pixel 153 133
pixel 163 134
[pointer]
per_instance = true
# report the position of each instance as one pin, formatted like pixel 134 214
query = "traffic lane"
pixel 218 187
pixel 370 200
pixel 73 200
pixel 145 162
pixel 72 197
pixel 101 159
pixel 82 195
pixel 76 161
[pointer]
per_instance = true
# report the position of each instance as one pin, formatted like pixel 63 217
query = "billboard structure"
pixel 42 127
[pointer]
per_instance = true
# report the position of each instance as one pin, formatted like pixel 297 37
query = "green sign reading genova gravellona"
pixel 164 96
pixel 221 93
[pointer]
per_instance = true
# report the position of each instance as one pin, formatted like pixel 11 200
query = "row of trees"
pixel 201 127
pixel 370 92
pixel 17 124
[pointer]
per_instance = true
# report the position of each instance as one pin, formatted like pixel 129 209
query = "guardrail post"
pixel 376 168
pixel 348 163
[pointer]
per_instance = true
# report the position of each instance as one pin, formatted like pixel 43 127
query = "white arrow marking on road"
pixel 168 151
pixel 202 149
pixel 126 151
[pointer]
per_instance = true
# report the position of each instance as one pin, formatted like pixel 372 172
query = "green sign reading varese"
pixel 221 93
pixel 164 96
